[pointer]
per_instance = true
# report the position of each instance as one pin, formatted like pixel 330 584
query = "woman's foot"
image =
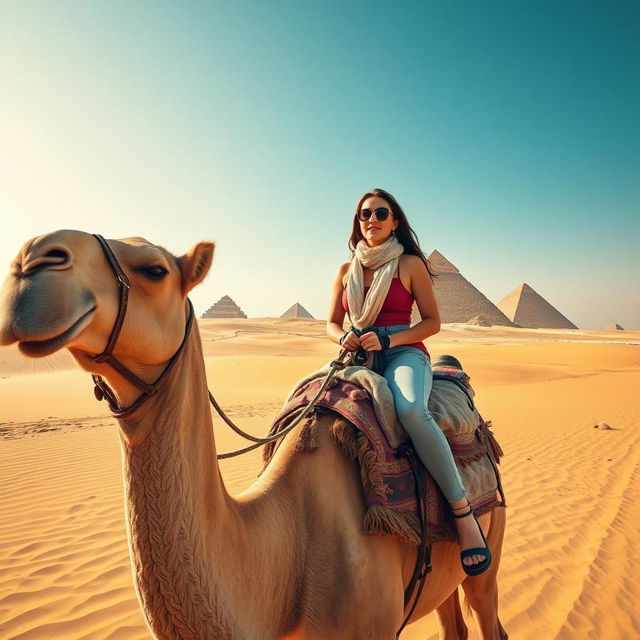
pixel 475 554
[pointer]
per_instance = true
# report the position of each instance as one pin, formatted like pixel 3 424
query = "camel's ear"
pixel 195 265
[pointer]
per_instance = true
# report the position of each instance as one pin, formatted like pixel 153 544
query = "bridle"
pixel 102 390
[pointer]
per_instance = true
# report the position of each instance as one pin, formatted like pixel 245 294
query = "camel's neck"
pixel 192 545
pixel 174 501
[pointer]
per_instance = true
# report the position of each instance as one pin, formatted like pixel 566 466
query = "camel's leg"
pixel 482 591
pixel 482 596
pixel 451 624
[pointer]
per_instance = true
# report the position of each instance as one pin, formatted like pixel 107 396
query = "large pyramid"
pixel 614 327
pixel 224 308
pixel 296 311
pixel 458 300
pixel 529 309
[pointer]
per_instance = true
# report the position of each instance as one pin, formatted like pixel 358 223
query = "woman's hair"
pixel 404 233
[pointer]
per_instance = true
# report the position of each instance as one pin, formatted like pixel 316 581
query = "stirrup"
pixel 482 566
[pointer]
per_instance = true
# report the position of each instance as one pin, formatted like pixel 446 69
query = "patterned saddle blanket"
pixel 387 479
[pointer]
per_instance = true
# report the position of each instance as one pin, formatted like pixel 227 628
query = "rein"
pixel 338 363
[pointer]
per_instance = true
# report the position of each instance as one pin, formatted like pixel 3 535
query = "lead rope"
pixel 337 364
pixel 423 561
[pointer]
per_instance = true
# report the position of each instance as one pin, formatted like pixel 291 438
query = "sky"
pixel 508 131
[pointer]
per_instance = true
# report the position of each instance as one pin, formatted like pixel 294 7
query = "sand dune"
pixel 572 552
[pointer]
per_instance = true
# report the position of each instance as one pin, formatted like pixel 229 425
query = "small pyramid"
pixel 614 327
pixel 415 315
pixel 458 300
pixel 224 308
pixel 296 311
pixel 529 309
pixel 480 321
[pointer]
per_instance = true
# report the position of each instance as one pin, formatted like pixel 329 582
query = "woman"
pixel 377 289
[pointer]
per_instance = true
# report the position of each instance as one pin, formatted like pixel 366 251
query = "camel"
pixel 287 558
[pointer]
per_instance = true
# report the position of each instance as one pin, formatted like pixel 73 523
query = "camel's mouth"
pixel 41 348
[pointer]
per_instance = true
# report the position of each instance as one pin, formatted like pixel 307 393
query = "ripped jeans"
pixel 407 370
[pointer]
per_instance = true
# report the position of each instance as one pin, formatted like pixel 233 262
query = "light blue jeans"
pixel 407 370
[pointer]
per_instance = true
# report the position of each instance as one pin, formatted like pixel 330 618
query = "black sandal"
pixel 480 567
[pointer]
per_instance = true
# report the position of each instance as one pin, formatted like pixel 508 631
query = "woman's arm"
pixel 422 290
pixel 336 311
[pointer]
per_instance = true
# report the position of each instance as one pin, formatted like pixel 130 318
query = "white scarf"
pixel 383 259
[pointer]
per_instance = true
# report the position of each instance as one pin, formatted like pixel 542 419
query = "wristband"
pixel 385 341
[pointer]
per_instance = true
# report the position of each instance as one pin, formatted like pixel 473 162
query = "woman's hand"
pixel 370 341
pixel 351 342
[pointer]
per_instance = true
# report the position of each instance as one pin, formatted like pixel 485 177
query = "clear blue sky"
pixel 509 132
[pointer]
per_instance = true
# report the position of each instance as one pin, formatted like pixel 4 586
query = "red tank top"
pixel 396 308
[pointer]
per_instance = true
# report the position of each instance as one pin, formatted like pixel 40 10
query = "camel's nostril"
pixel 56 253
pixel 56 257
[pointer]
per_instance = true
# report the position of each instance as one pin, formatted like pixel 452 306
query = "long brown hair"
pixel 404 233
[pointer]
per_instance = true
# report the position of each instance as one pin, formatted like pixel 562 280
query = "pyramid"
pixel 614 327
pixel 529 309
pixel 224 308
pixel 296 311
pixel 440 264
pixel 458 300
pixel 480 321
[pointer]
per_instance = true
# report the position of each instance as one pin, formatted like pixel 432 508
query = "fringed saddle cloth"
pixel 372 436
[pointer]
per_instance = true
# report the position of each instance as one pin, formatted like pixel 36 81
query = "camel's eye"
pixel 154 272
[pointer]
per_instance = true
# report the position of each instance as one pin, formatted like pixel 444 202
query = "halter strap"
pixel 124 285
pixel 102 390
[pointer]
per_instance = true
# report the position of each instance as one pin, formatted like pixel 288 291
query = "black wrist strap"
pixel 385 340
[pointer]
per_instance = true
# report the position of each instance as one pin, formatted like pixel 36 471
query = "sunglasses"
pixel 381 214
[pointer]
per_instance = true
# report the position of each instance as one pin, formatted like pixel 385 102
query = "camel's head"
pixel 61 291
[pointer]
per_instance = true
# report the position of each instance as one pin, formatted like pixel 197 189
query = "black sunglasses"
pixel 381 214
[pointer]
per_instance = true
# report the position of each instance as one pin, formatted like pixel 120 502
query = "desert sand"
pixel 571 557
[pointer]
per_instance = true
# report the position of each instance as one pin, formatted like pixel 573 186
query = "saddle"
pixel 373 436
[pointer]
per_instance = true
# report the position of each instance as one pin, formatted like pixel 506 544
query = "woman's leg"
pixel 408 373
